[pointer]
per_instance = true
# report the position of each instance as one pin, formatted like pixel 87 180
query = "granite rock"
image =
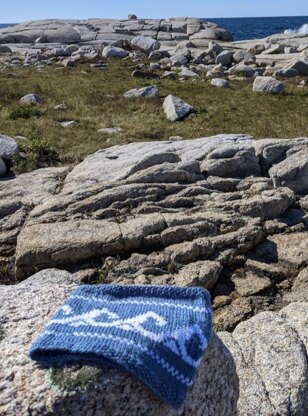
pixel 176 109
pixel 8 147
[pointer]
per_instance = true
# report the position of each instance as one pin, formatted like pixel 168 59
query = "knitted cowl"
pixel 156 333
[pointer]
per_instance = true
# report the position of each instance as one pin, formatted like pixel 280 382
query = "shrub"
pixel 38 150
pixel 24 112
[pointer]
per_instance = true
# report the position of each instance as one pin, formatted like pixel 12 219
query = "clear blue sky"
pixel 20 10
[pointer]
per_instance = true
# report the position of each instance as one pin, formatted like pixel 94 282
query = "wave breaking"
pixel 302 29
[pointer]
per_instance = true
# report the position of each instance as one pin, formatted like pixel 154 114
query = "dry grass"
pixel 95 98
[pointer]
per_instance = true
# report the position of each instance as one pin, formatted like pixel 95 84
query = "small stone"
pixel 154 66
pixel 175 138
pixel 148 92
pixel 145 75
pixel 221 301
pixel 168 75
pixel 220 83
pixel 69 63
pixel 70 123
pixel 187 73
pixel 250 283
pixel 31 99
pixel 179 60
pixel 110 130
pixel 60 107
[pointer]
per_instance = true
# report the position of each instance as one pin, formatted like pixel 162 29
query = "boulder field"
pixel 228 213
pixel 184 48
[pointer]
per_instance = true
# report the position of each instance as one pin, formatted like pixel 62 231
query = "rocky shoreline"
pixel 227 212
pixel 172 43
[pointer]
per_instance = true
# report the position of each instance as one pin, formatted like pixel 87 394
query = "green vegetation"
pixel 39 152
pixel 24 111
pixel 94 98
pixel 73 379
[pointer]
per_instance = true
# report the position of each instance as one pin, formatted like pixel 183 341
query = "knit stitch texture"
pixel 156 333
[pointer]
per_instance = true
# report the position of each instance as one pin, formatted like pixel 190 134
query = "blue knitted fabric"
pixel 156 333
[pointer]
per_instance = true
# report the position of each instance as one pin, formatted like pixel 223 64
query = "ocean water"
pixel 254 27
pixel 3 25
pixel 261 27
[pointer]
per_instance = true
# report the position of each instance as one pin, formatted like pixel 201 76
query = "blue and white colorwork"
pixel 156 333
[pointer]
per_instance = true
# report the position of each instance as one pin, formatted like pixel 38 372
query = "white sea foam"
pixel 302 29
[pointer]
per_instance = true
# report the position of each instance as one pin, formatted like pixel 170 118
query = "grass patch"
pixel 38 152
pixel 95 98
pixel 24 112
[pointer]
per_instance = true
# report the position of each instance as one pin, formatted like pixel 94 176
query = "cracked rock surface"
pixel 228 213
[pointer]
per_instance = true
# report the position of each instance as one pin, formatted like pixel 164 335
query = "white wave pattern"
pixel 302 29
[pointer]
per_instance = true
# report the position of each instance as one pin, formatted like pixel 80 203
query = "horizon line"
pixel 156 18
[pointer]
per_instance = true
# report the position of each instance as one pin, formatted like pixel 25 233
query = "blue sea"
pixel 261 27
pixel 255 27
pixel 3 25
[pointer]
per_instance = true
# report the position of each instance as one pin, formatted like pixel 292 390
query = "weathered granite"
pixel 259 368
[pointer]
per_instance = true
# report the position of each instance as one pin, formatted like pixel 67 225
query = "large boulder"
pixel 268 85
pixel 62 34
pixel 114 52
pixel 144 44
pixel 299 65
pixel 224 58
pixel 242 70
pixel 176 109
pixel 8 147
pixel 212 32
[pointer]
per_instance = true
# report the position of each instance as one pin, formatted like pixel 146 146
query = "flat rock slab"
pixel 143 34
pixel 181 201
